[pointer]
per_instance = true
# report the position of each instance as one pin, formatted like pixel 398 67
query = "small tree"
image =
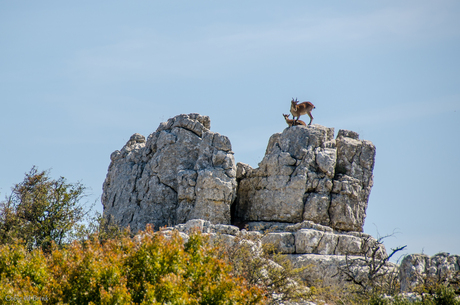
pixel 372 270
pixel 41 210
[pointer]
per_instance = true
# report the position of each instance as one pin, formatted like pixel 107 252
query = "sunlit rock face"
pixel 306 174
pixel 307 197
pixel 417 270
pixel 185 171
pixel 182 171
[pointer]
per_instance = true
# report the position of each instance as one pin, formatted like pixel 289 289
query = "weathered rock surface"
pixel 308 197
pixel 308 237
pixel 421 269
pixel 319 249
pixel 325 270
pixel 182 171
pixel 306 174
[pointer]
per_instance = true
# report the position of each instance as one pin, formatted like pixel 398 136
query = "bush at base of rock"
pixel 152 269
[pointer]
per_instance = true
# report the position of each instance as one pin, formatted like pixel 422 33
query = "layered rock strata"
pixel 306 174
pixel 302 238
pixel 318 250
pixel 307 198
pixel 182 171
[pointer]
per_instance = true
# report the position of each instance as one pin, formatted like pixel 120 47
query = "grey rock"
pixel 283 242
pixel 307 241
pixel 275 190
pixel 181 172
pixel 225 229
pixel 302 238
pixel 307 224
pixel 168 234
pixel 421 269
pixel 313 241
pixel 267 226
pixel 324 270
pixel 196 225
pixel 348 134
pixel 242 170
pixel 184 171
pixel 317 208
pixel 326 159
pixel 323 252
pixel 222 239
pixel 307 175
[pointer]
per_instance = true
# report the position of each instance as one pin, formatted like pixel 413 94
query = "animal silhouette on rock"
pixel 300 109
pixel 293 122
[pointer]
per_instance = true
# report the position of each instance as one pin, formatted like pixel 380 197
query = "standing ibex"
pixel 299 109
pixel 293 122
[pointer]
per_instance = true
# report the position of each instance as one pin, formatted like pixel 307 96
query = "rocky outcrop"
pixel 307 198
pixel 316 249
pixel 421 269
pixel 182 171
pixel 306 174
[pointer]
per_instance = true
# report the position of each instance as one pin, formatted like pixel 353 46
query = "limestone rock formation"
pixel 306 174
pixel 318 248
pixel 307 198
pixel 182 171
pixel 421 269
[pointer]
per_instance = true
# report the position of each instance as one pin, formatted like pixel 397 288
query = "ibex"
pixel 300 109
pixel 293 122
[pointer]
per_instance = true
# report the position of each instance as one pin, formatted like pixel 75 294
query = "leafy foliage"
pixel 263 266
pixel 439 295
pixel 152 268
pixel 41 210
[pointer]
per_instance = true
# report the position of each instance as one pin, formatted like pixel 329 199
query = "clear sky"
pixel 78 78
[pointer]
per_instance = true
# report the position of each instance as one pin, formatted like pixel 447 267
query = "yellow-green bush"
pixel 152 270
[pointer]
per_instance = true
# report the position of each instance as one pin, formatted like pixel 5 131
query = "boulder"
pixel 326 270
pixel 182 171
pixel 320 252
pixel 306 199
pixel 306 174
pixel 421 269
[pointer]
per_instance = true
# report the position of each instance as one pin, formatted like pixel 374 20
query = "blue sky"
pixel 77 79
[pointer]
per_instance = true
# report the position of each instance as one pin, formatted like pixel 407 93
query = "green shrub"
pixel 439 295
pixel 445 295
pixel 264 267
pixel 41 210
pixel 154 269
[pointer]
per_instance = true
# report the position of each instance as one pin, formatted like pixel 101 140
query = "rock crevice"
pixel 307 197
pixel 185 171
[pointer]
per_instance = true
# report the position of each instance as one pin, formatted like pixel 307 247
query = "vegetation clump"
pixel 47 256
pixel 41 210
pixel 153 269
